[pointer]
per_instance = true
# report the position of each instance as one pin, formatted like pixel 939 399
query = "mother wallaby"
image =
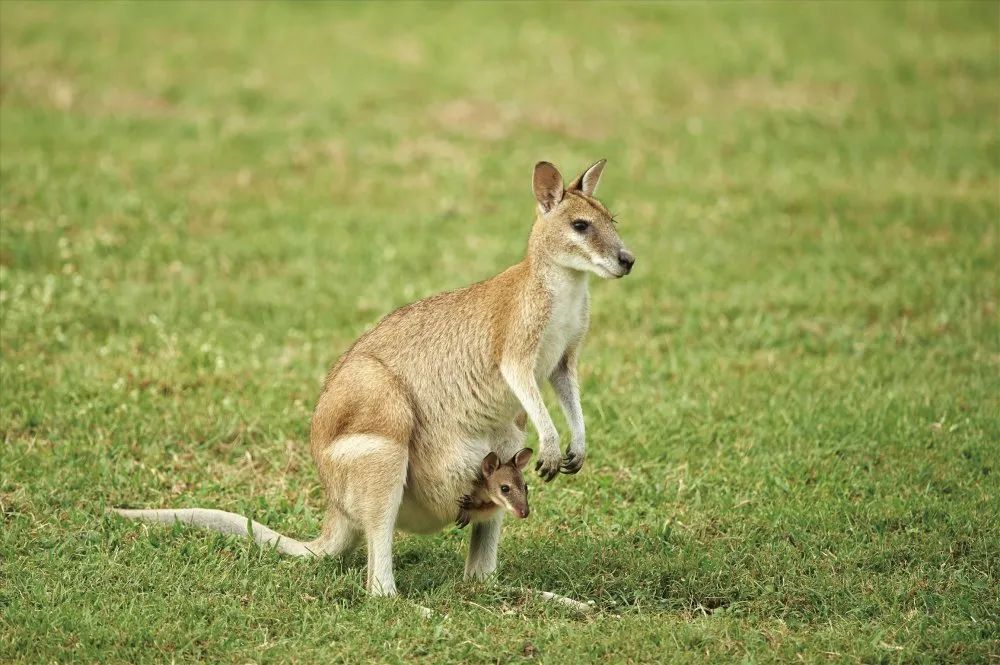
pixel 408 413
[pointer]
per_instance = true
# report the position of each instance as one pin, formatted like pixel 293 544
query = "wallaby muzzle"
pixel 626 260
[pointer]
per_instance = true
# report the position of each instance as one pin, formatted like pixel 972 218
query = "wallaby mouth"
pixel 521 513
pixel 615 266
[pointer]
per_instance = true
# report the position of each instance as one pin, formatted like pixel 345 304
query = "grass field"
pixel 792 401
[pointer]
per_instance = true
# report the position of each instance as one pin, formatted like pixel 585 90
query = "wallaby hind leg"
pixel 339 536
pixel 381 581
pixel 485 540
pixel 360 436
pixel 483 545
pixel 366 474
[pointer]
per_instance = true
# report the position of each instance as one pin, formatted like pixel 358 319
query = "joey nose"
pixel 626 259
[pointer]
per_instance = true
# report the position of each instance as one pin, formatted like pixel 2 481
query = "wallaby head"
pixel 573 229
pixel 504 483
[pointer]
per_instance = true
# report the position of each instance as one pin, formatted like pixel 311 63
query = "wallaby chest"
pixel 566 324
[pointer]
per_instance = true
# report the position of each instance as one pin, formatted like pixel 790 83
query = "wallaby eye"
pixel 580 225
pixel 505 489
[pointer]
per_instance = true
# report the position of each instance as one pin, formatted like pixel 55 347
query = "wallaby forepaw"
pixel 572 462
pixel 548 467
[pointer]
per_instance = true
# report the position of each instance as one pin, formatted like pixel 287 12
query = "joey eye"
pixel 580 225
pixel 505 489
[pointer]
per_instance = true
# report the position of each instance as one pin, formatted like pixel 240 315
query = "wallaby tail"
pixel 220 520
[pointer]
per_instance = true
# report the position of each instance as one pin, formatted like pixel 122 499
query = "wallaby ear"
pixel 548 185
pixel 521 458
pixel 587 181
pixel 490 464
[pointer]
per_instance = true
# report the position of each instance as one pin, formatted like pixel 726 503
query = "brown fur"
pixel 446 377
pixel 498 486
pixel 414 405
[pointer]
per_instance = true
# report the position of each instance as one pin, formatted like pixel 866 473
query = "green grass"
pixel 792 403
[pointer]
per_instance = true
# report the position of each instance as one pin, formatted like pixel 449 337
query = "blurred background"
pixel 203 204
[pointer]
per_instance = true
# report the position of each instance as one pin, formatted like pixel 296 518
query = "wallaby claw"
pixel 548 469
pixel 465 504
pixel 571 463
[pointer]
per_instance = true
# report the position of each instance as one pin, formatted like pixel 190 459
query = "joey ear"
pixel 587 181
pixel 548 185
pixel 521 458
pixel 490 464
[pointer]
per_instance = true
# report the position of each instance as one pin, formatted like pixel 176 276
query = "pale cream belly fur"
pixel 432 491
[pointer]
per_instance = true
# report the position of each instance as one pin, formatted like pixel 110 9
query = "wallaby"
pixel 499 486
pixel 410 410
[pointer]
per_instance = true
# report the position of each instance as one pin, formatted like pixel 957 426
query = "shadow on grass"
pixel 631 571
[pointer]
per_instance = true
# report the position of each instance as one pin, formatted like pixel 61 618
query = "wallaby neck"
pixel 556 279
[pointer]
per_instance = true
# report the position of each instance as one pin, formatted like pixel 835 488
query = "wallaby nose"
pixel 626 259
pixel 522 513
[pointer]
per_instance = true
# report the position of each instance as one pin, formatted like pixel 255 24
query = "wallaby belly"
pixel 444 468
